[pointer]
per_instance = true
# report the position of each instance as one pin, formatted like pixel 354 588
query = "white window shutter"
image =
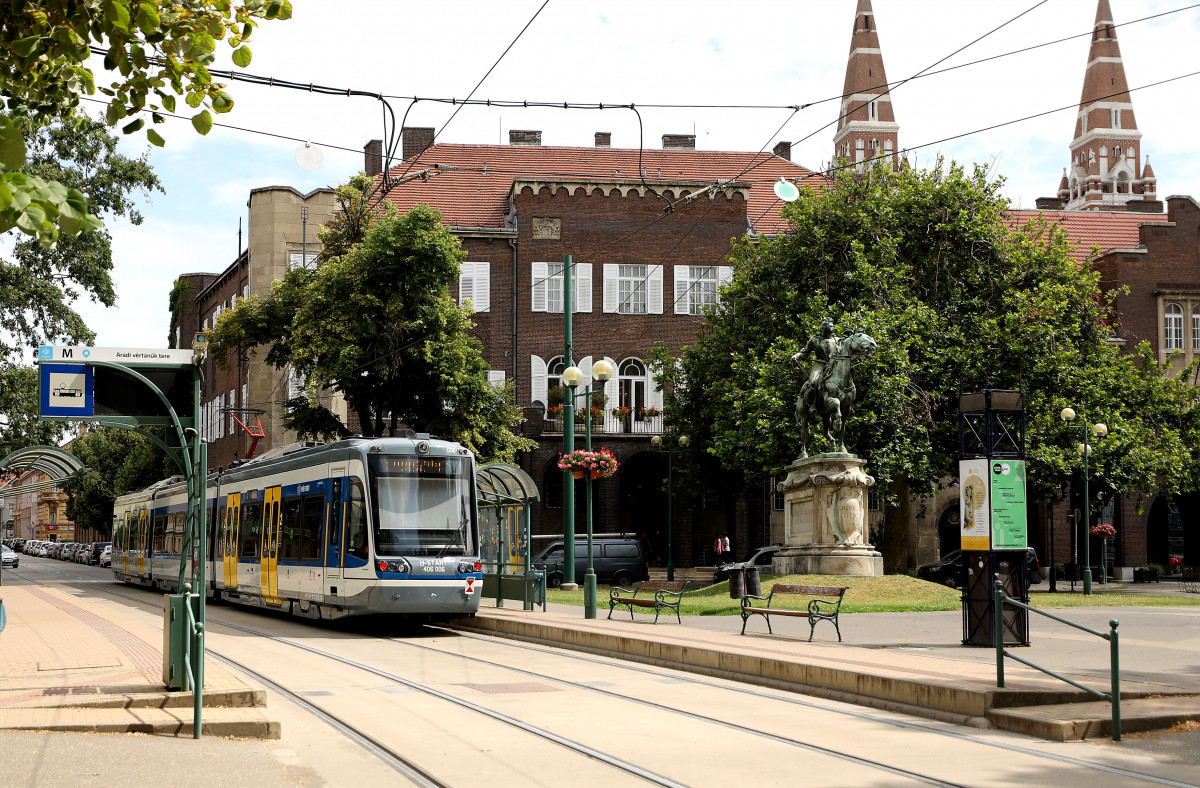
pixel 724 275
pixel 654 291
pixel 496 377
pixel 246 291
pixel 539 293
pixel 585 365
pixel 466 283
pixel 612 387
pixel 483 287
pixel 232 404
pixel 611 299
pixel 681 289
pixel 583 287
pixel 654 395
pixel 537 377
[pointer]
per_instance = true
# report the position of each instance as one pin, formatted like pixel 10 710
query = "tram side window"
pixel 310 529
pixel 356 521
pixel 160 533
pixel 251 530
pixel 178 529
pixel 218 547
pixel 289 537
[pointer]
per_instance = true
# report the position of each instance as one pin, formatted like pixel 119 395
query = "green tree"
pixel 120 461
pixel 927 262
pixel 379 326
pixel 39 285
pixel 154 50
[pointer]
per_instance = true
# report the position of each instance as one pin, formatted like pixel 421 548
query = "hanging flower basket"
pixel 1104 531
pixel 583 463
pixel 649 413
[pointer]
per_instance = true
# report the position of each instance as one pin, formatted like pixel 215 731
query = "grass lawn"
pixel 889 594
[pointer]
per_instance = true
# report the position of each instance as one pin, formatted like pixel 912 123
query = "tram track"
pixel 386 753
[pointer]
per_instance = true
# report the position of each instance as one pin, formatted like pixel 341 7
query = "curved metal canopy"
pixel 52 461
pixel 501 484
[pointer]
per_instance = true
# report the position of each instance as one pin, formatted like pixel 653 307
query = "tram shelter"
pixel 503 494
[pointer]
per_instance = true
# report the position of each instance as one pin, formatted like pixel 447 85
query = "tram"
pixel 360 526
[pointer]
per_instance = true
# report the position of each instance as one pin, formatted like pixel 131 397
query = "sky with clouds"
pixel 755 52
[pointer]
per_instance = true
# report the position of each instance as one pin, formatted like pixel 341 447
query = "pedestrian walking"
pixel 719 547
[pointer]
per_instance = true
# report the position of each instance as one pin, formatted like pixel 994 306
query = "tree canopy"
pixel 39 285
pixel 120 461
pixel 155 51
pixel 930 265
pixel 378 325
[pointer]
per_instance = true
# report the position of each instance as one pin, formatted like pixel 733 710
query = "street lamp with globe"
pixel 657 443
pixel 1085 451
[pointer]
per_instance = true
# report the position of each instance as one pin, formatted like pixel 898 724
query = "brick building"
pixel 282 233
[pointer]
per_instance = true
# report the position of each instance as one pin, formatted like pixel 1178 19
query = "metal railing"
pixel 193 639
pixel 611 425
pixel 1113 696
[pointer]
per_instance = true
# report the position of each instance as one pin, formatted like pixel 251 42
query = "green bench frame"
pixel 820 608
pixel 667 596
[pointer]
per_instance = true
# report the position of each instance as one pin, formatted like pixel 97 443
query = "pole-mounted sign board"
pixel 992 512
pixel 77 383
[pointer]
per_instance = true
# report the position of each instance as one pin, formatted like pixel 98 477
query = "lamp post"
pixel 602 371
pixel 657 442
pixel 1085 450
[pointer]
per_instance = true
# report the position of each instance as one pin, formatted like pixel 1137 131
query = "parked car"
pixel 43 550
pixel 9 557
pixel 93 556
pixel 619 562
pixel 948 570
pixel 81 553
pixel 106 555
pixel 760 558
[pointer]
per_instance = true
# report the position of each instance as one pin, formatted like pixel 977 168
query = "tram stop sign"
pixel 72 387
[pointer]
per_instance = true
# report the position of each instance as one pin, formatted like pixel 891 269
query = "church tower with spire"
pixel 866 124
pixel 1106 172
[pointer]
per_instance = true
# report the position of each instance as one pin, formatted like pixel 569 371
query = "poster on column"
pixel 974 510
pixel 1009 522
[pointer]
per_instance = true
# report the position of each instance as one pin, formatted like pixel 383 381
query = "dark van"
pixel 619 562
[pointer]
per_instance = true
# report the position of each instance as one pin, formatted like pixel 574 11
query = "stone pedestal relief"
pixel 825 508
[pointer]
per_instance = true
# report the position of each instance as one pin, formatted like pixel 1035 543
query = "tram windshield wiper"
pixel 463 521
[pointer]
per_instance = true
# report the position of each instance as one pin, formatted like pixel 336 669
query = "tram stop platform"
pixel 67 665
pixel 911 663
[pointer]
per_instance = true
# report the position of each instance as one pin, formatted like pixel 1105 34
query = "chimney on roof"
pixel 524 137
pixel 603 139
pixel 416 140
pixel 373 157
pixel 679 142
pixel 783 150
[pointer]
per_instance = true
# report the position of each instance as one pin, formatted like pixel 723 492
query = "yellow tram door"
pixel 143 521
pixel 229 544
pixel 124 544
pixel 269 557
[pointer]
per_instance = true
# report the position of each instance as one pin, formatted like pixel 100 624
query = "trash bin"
pixel 753 582
pixel 737 582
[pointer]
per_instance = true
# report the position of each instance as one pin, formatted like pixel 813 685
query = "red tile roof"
pixel 470 184
pixel 1085 229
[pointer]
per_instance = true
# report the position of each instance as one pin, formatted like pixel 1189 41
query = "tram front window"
pixel 422 506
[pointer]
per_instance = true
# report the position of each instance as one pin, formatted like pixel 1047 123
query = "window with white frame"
pixel 631 289
pixel 474 283
pixel 554 371
pixel 302 260
pixel 698 286
pixel 1173 327
pixel 776 496
pixel 1196 327
pixel 547 288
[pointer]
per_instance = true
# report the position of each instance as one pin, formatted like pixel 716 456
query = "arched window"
pixel 1196 327
pixel 554 372
pixel 1173 327
pixel 632 382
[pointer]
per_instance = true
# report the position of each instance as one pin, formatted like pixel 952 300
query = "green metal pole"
pixel 589 579
pixel 1115 652
pixel 1087 518
pixel 998 630
pixel 200 524
pixel 670 518
pixel 568 438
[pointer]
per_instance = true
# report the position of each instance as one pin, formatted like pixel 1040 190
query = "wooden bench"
pixel 667 596
pixel 824 606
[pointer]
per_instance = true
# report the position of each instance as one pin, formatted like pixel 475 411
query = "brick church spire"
pixel 1106 172
pixel 866 125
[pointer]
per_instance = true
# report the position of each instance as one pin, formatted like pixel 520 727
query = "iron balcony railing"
pixel 611 425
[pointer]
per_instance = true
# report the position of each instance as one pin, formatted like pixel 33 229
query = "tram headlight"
pixel 400 566
pixel 466 567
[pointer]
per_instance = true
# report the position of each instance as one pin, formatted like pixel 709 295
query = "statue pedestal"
pixel 825 518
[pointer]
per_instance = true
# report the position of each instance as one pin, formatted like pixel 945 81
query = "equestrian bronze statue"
pixel 828 394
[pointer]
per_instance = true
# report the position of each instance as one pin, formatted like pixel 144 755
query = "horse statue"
pixel 830 396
